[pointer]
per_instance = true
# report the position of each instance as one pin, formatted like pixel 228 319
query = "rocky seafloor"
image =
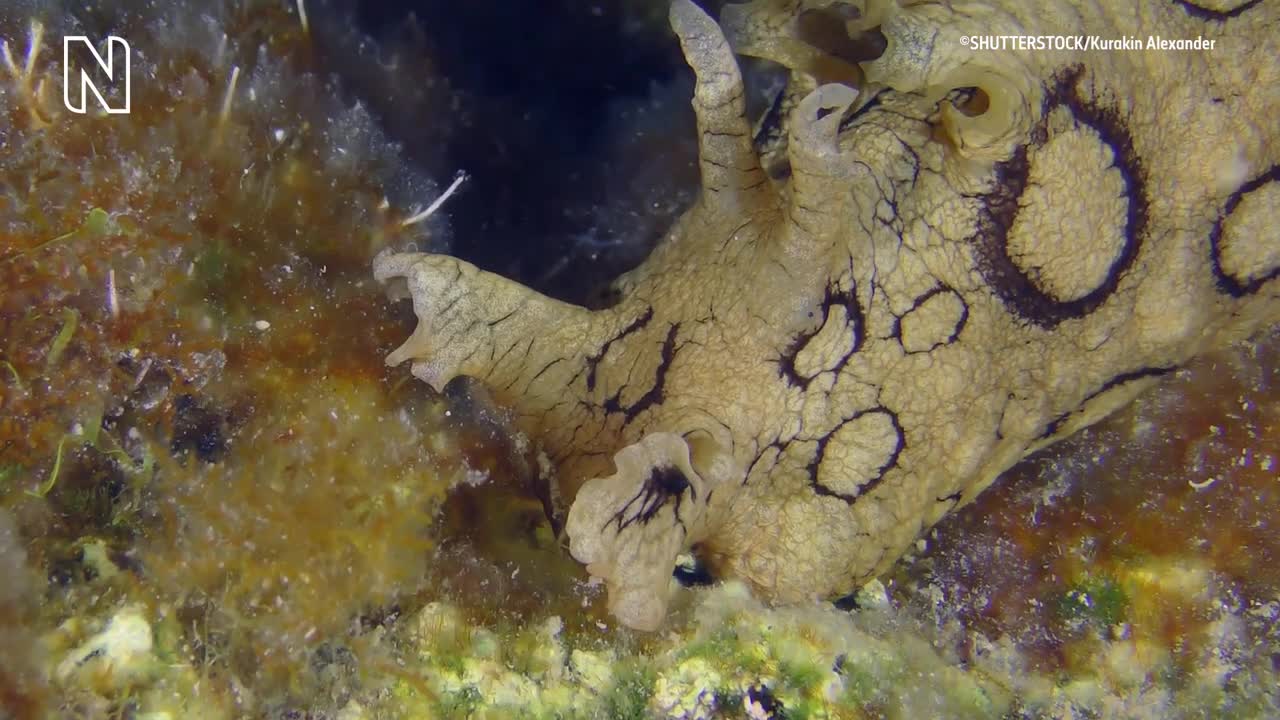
pixel 217 502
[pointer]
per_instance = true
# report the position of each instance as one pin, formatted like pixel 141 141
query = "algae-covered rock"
pixel 190 356
pixel 216 502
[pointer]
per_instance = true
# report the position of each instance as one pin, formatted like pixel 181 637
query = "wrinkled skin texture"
pixel 929 282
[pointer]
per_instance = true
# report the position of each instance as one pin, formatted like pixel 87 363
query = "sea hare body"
pixel 967 256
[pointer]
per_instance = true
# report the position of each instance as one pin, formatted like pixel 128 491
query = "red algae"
pixel 1147 527
pixel 192 362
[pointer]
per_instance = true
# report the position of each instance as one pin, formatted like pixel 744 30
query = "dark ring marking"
pixel 896 331
pixel 1204 13
pixel 1121 379
pixel 999 209
pixel 833 297
pixel 663 484
pixel 1226 283
pixel 892 461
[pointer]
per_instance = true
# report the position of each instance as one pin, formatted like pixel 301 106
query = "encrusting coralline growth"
pixel 948 260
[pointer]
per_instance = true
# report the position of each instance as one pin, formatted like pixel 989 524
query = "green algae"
pixel 1101 601
pixel 96 224
pixel 70 319
pixel 628 699
pixel 461 703
pixel 450 667
pixel 48 484
pixel 737 654
pixel 13 373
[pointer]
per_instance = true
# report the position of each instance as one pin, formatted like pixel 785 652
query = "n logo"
pixel 116 70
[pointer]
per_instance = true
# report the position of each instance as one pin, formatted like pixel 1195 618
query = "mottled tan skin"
pixel 818 364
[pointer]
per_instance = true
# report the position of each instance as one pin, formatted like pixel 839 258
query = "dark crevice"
pixel 825 29
pixel 558 128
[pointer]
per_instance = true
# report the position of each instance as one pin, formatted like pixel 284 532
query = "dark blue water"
pixel 540 84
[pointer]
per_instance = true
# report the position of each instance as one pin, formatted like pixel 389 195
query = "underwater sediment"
pixel 217 501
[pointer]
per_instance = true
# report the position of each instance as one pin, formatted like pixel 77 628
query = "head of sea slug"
pixel 928 261
pixel 797 285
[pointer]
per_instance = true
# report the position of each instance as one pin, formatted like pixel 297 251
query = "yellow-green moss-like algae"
pixel 193 377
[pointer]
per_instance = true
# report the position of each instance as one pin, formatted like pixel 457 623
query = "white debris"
pixel 120 654
pixel 419 217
